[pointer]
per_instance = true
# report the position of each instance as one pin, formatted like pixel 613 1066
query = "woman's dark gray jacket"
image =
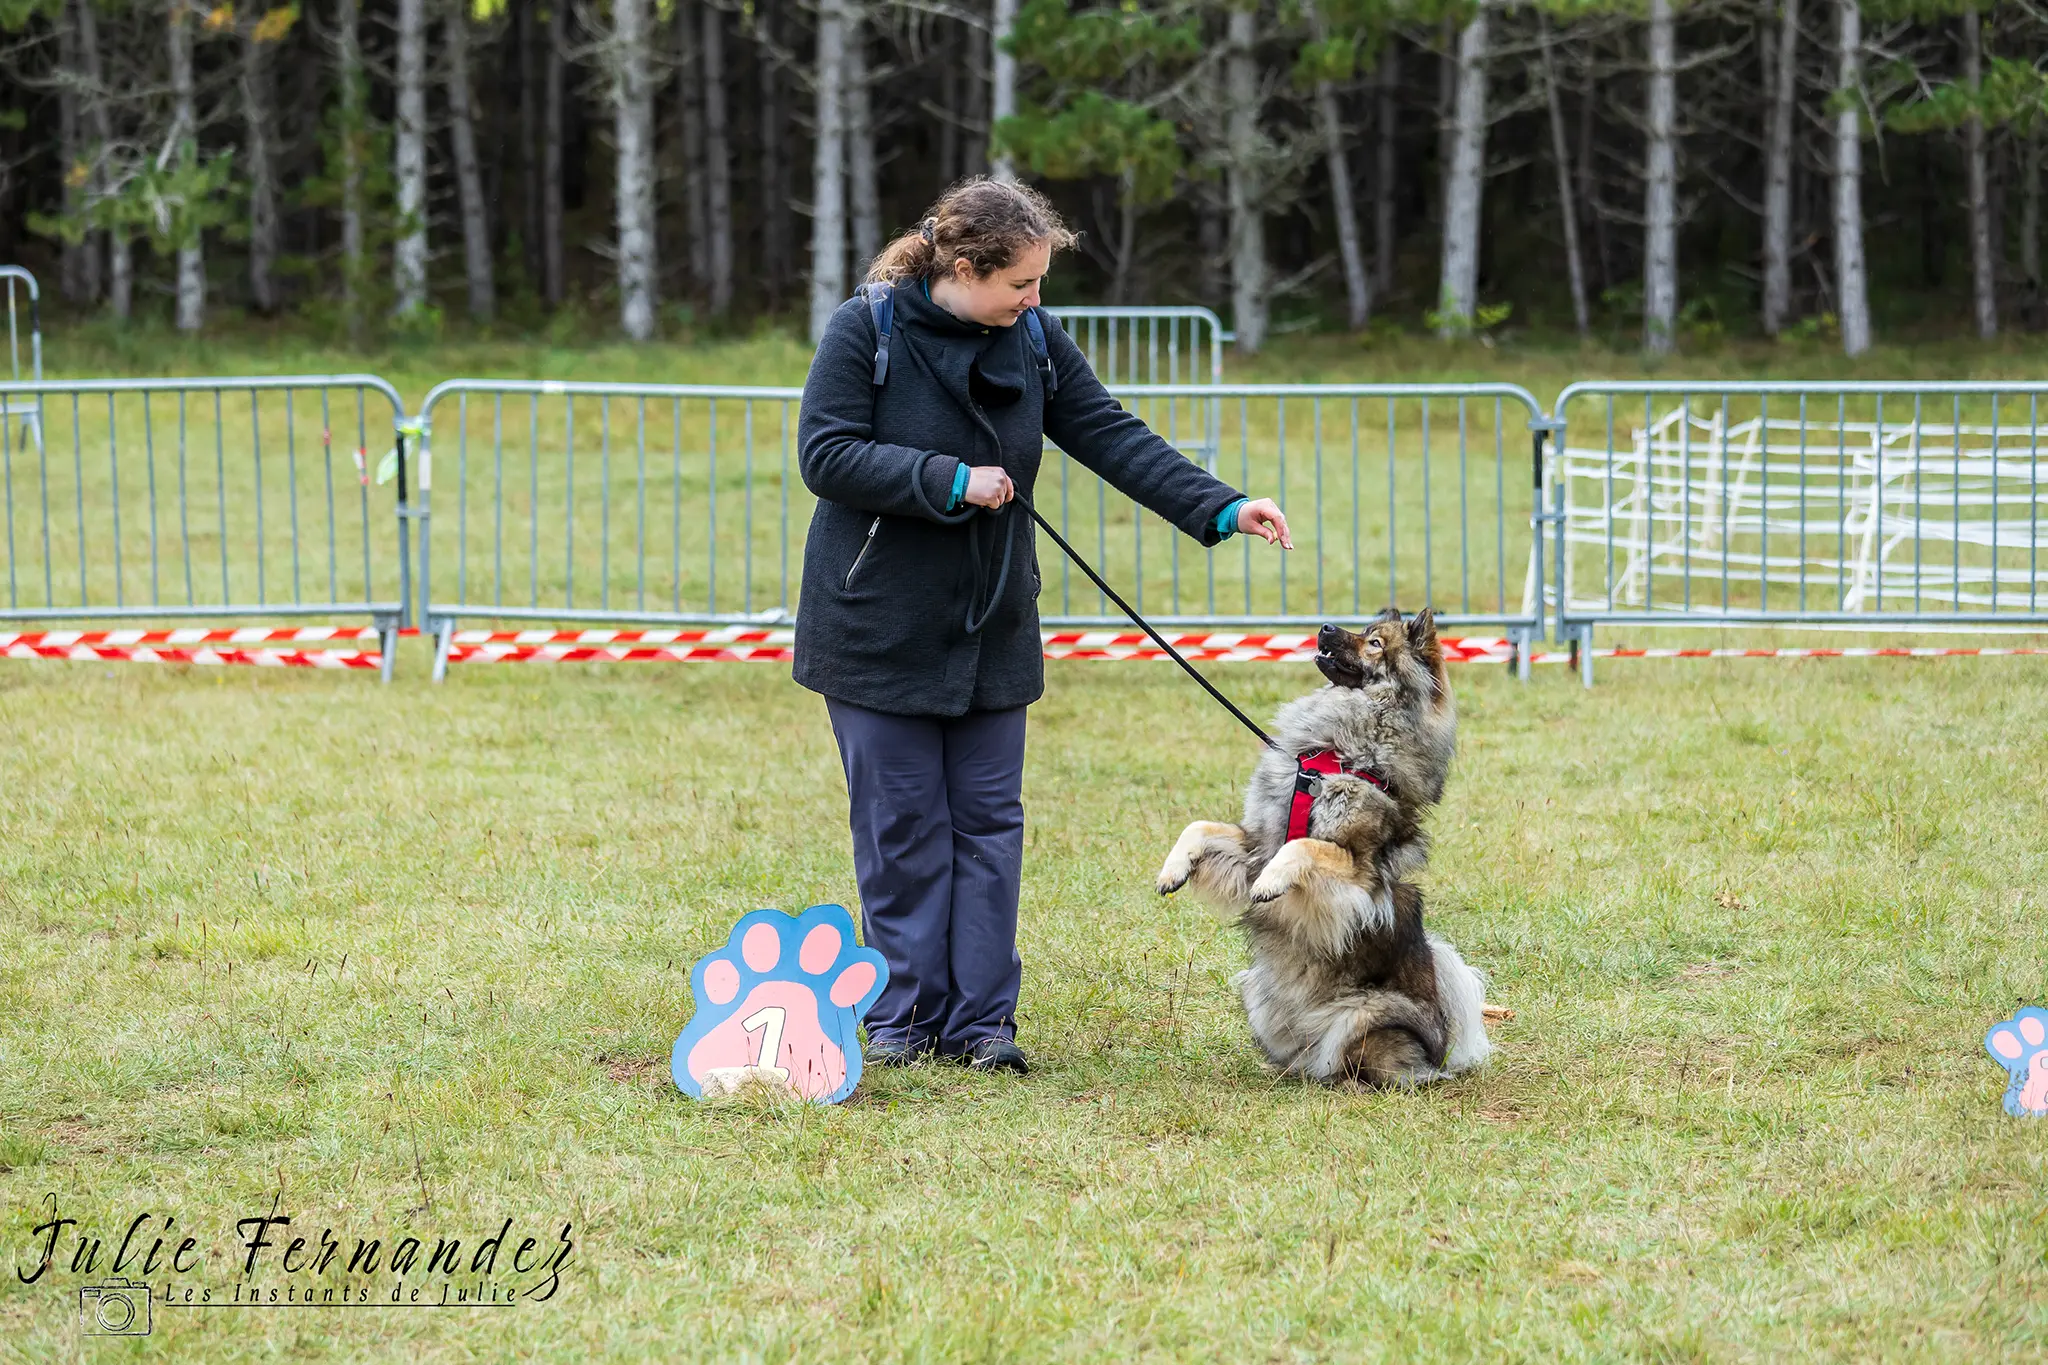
pixel 883 621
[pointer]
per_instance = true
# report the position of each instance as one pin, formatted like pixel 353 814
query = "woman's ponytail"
pixel 906 258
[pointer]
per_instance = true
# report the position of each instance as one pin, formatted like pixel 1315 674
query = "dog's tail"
pixel 1462 992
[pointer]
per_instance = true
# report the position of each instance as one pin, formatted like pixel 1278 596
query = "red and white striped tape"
pixel 192 636
pixel 1874 652
pixel 774 645
pixel 286 647
pixel 730 644
pixel 1240 647
pixel 262 647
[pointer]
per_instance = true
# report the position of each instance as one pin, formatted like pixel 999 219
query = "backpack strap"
pixel 881 299
pixel 1034 327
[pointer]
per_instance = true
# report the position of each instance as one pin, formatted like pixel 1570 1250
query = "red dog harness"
pixel 1309 772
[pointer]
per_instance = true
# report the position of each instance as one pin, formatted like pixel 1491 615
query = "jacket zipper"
pixel 866 545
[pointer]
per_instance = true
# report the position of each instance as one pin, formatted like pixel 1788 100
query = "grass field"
pixel 411 959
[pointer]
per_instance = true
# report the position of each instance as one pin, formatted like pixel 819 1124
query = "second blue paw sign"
pixel 2020 1045
pixel 780 1004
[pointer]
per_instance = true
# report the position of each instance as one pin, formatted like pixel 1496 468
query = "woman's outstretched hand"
pixel 988 485
pixel 1263 517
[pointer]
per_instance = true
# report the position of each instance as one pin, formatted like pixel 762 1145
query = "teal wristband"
pixel 1226 520
pixel 959 487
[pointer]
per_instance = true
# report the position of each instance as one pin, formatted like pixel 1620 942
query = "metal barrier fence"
pixel 681 505
pixel 1127 346
pixel 207 498
pixel 1885 505
pixel 1881 505
pixel 1148 345
pixel 23 297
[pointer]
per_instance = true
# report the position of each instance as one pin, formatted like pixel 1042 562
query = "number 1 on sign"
pixel 769 1021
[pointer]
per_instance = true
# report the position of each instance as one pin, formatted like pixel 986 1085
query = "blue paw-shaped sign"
pixel 2020 1045
pixel 780 1003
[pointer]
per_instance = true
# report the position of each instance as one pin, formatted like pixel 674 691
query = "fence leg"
pixel 443 628
pixel 1525 649
pixel 1583 646
pixel 387 647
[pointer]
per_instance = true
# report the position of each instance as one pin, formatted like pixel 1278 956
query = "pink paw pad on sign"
pixel 780 1004
pixel 2020 1045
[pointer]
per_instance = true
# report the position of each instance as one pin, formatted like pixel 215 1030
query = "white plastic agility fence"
pixel 1883 506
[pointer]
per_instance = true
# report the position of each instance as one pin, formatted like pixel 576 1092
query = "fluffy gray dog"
pixel 1345 985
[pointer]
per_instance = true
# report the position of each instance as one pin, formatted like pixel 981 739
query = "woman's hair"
pixel 981 221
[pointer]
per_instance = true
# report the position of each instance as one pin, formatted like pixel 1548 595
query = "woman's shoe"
pixel 898 1052
pixel 996 1054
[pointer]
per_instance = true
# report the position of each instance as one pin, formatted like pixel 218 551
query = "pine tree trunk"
pixel 191 304
pixel 717 166
pixel 1385 243
pixel 1350 246
pixel 974 107
pixel 1560 153
pixel 530 79
pixel 1247 190
pixel 1983 271
pixel 633 133
pixel 71 268
pixel 409 162
pixel 1211 238
pixel 690 134
pixel 348 61
pixel 553 271
pixel 1783 110
pixel 1446 111
pixel 1126 239
pixel 1660 186
pixel 828 170
pixel 1852 286
pixel 949 106
pixel 469 185
pixel 1465 182
pixel 259 166
pixel 775 234
pixel 120 252
pixel 2030 208
pixel 1003 80
pixel 864 176
pixel 1603 255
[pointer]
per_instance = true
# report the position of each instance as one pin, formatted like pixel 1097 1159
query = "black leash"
pixel 1146 626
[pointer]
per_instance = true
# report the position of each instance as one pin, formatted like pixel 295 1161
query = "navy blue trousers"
pixel 937 809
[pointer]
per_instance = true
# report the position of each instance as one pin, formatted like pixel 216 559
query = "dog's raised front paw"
pixel 1280 876
pixel 1187 851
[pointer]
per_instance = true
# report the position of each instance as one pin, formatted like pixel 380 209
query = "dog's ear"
pixel 1423 640
pixel 1389 613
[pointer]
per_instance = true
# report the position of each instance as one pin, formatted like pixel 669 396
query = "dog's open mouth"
pixel 1337 657
pixel 1341 671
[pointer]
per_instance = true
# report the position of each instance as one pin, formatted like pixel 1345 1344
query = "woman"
pixel 919 618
